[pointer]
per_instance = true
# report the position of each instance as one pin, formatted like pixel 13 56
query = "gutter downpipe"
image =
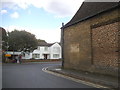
pixel 62 44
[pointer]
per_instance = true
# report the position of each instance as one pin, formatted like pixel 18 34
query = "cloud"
pixel 50 35
pixel 14 15
pixel 12 27
pixel 60 8
pixel 6 4
pixel 102 0
pixel 3 11
pixel 14 4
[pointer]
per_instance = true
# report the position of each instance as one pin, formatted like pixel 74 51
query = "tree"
pixel 4 38
pixel 3 42
pixel 22 41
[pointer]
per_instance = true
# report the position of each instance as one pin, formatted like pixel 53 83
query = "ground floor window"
pixel 56 55
pixel 36 55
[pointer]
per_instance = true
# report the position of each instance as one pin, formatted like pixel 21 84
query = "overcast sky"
pixel 40 17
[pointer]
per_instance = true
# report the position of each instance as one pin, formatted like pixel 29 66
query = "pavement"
pixel 104 80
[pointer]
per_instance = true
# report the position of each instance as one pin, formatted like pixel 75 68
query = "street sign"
pixel 7 55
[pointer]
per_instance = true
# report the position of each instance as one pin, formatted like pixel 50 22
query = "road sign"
pixel 7 55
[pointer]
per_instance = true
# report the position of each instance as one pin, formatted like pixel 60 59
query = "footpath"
pixel 103 80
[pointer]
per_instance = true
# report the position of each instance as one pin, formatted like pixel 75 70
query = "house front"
pixel 47 51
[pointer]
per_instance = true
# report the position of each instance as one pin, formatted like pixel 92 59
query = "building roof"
pixel 90 9
pixel 46 44
pixel 43 44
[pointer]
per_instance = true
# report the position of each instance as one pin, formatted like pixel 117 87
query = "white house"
pixel 45 51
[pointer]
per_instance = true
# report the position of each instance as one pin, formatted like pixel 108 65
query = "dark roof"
pixel 44 44
pixel 90 9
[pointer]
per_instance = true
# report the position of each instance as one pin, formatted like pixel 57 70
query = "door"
pixel 45 56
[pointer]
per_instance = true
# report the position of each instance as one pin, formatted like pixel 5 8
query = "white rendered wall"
pixel 53 51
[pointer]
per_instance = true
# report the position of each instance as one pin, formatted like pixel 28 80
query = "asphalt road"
pixel 30 75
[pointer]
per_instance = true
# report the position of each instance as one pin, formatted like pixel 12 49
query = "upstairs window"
pixel 56 49
pixel 46 48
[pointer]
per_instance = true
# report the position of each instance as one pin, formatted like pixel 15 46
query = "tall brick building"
pixel 91 39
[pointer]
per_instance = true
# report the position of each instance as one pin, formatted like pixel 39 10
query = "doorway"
pixel 46 56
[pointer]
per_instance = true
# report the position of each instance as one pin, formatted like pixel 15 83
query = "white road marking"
pixel 73 79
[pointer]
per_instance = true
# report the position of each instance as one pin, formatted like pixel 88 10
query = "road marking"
pixel 73 79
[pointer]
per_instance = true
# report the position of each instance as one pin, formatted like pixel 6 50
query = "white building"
pixel 45 51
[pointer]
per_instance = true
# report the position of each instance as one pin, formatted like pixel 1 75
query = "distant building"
pixel 45 51
pixel 13 54
pixel 91 40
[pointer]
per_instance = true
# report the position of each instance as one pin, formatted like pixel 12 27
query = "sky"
pixel 43 18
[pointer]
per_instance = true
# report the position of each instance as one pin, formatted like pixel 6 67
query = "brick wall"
pixel 105 45
pixel 91 49
pixel 77 47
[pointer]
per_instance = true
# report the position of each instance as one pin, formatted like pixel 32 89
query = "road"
pixel 30 75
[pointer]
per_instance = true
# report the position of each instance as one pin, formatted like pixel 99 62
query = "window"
pixel 56 49
pixel 56 55
pixel 38 48
pixel 36 55
pixel 46 48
